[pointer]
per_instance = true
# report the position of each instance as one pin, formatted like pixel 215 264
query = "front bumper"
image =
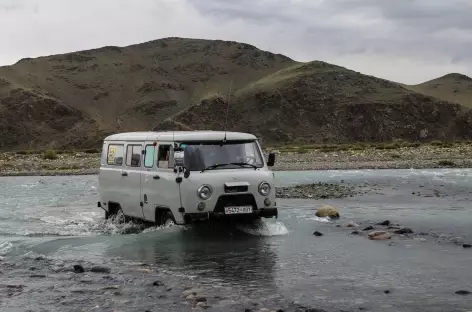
pixel 211 215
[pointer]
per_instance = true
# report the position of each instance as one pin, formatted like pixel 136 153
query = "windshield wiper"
pixel 214 166
pixel 244 164
pixel 233 163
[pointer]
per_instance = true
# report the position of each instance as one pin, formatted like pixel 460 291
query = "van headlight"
pixel 204 192
pixel 264 188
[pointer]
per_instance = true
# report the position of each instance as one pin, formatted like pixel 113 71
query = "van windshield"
pixel 215 155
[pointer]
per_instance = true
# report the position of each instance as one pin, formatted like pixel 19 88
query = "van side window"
pixel 149 156
pixel 163 156
pixel 115 155
pixel 133 155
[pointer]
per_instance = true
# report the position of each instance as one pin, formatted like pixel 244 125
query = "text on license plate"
pixel 238 209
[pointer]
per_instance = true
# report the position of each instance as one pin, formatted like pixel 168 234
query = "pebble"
pixel 369 228
pixel 379 235
pixel 355 233
pixel 351 224
pixel 158 283
pixel 316 233
pixel 78 268
pixel 385 223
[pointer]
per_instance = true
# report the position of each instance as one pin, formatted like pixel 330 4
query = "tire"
pixel 120 217
pixel 165 218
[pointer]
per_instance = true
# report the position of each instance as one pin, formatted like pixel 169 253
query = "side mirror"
pixel 271 159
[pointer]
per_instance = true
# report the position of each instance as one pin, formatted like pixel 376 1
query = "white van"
pixel 185 176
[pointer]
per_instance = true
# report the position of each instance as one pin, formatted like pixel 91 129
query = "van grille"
pixel 235 200
pixel 236 189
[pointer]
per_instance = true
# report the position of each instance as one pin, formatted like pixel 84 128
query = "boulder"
pixel 327 211
pixel 379 235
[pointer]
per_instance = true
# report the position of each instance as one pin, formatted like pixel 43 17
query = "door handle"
pixel 124 173
pixel 156 177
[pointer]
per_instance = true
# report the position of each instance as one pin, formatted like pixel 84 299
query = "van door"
pixel 131 182
pixel 158 180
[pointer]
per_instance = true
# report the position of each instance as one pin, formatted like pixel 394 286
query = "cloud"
pixel 405 40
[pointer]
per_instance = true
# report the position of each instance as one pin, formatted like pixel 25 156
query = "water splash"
pixel 319 219
pixel 264 228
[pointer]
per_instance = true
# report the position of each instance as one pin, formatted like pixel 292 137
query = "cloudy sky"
pixel 408 41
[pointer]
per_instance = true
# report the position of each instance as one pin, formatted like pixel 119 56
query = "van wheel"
pixel 120 217
pixel 165 219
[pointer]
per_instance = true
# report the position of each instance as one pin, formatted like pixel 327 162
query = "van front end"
pixel 229 194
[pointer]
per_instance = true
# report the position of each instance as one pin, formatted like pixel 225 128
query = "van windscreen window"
pixel 163 156
pixel 217 156
pixel 149 156
pixel 133 155
pixel 115 155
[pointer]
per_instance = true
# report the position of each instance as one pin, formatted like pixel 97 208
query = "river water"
pixel 48 224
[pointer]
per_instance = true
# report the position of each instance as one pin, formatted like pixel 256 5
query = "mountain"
pixel 75 99
pixel 321 102
pixel 454 87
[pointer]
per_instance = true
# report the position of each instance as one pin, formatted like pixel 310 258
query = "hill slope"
pixel 456 88
pixel 75 99
pixel 320 102
pixel 126 88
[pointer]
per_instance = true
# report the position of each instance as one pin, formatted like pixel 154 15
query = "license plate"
pixel 238 209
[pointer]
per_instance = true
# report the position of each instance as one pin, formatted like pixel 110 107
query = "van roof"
pixel 198 135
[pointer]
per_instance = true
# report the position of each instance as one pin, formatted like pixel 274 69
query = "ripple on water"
pixel 5 247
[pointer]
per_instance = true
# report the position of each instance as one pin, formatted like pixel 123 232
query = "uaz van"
pixel 185 176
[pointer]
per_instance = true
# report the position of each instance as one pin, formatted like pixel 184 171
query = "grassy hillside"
pixel 456 88
pixel 324 103
pixel 123 88
pixel 75 99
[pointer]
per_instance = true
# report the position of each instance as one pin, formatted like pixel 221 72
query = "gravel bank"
pixel 80 163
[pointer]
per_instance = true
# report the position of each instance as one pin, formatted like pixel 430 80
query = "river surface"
pixel 48 224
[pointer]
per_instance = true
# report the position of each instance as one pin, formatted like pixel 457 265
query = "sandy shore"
pixel 288 159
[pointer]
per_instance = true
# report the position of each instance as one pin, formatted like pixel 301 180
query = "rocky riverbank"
pixel 27 163
pixel 318 191
pixel 374 157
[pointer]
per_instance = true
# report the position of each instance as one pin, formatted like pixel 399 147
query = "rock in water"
pixel 78 268
pixel 369 228
pixel 327 211
pixel 351 224
pixel 316 233
pixel 466 245
pixel 99 269
pixel 385 223
pixel 379 235
pixel 403 231
pixel 463 292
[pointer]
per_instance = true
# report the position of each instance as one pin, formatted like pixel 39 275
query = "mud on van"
pixel 185 176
